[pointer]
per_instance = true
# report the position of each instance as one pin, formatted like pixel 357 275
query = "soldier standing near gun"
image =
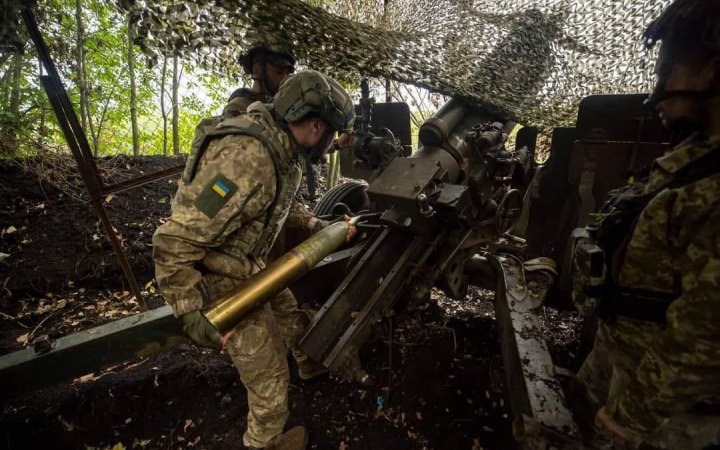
pixel 269 62
pixel 654 372
pixel 237 190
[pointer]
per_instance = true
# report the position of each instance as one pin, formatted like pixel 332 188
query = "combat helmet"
pixel 689 24
pixel 688 30
pixel 268 48
pixel 311 92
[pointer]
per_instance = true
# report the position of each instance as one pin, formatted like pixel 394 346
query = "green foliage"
pixel 26 119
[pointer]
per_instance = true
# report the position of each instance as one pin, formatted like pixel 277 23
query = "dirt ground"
pixel 440 378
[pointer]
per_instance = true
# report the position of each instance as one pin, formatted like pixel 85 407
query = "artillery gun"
pixel 445 215
pixel 457 194
pixel 464 209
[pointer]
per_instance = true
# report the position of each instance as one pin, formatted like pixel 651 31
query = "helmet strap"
pixel 310 177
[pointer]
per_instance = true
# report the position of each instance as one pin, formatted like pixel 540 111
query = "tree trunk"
pixel 163 111
pixel 41 102
pixel 133 92
pixel 80 63
pixel 8 136
pixel 176 106
pixel 6 79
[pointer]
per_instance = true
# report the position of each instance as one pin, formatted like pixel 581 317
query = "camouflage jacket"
pixel 219 215
pixel 675 245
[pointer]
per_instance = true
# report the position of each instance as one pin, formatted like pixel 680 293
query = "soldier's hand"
pixel 200 330
pixel 352 230
pixel 319 224
pixel 345 141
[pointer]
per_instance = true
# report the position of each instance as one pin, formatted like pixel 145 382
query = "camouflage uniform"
pixel 224 219
pixel 653 380
pixel 240 100
pixel 292 326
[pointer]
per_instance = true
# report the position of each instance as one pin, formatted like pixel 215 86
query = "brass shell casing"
pixel 230 309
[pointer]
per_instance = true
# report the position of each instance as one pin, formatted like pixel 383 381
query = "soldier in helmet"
pixel 236 192
pixel 654 372
pixel 269 61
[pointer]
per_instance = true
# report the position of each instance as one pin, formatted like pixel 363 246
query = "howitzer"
pixel 455 196
pixel 447 214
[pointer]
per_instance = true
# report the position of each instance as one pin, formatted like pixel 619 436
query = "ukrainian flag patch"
pixel 215 195
pixel 221 188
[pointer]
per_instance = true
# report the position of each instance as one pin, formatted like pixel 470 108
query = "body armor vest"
pixel 255 238
pixel 622 212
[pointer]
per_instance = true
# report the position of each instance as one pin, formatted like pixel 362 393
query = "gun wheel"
pixel 508 211
pixel 350 194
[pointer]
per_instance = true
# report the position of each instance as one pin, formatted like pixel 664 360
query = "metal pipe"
pixel 261 287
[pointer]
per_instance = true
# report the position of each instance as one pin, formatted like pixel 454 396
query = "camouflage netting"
pixel 531 61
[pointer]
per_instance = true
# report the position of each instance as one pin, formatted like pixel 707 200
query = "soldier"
pixel 237 191
pixel 654 372
pixel 269 61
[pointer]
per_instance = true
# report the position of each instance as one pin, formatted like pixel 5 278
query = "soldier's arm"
pixel 683 366
pixel 234 184
pixel 299 216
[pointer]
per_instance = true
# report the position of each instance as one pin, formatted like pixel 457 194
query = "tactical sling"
pixel 615 234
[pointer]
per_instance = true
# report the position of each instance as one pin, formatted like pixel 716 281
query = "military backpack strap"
pixel 256 130
pixel 258 250
pixel 199 145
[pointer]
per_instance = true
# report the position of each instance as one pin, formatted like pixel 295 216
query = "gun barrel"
pixel 233 307
pixel 437 129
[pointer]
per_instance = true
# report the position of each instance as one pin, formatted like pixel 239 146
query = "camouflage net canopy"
pixel 531 61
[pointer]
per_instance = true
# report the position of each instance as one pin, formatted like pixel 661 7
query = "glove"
pixel 201 330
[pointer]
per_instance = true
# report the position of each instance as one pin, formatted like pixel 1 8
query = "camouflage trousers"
pixel 257 349
pixel 604 374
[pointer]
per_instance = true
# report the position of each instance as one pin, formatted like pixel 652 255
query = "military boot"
pixel 307 368
pixel 295 438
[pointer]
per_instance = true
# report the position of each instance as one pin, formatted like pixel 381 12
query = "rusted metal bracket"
pixel 80 148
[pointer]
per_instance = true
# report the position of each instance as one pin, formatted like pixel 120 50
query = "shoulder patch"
pixel 215 195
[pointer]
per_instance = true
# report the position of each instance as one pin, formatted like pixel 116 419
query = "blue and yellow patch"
pixel 215 195
pixel 221 188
